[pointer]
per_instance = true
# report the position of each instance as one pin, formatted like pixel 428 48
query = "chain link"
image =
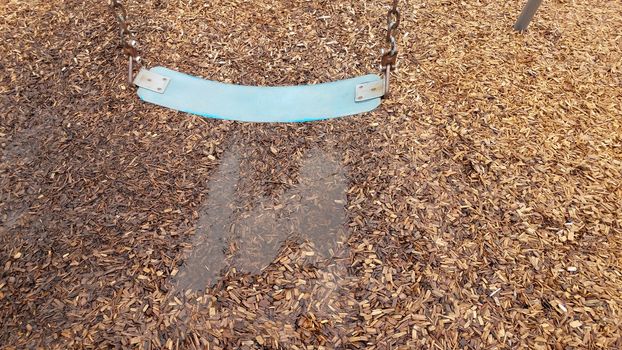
pixel 128 44
pixel 389 58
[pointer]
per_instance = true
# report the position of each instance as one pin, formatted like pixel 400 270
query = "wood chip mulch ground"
pixel 479 208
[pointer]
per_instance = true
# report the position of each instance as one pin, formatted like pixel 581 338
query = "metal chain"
pixel 129 45
pixel 389 57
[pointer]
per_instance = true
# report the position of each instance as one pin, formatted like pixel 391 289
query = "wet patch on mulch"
pixel 248 239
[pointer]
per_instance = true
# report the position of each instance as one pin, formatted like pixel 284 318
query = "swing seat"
pixel 186 93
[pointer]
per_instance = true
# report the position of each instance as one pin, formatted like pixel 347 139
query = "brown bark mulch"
pixel 480 207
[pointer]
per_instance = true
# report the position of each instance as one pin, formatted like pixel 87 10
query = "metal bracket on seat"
pixel 369 91
pixel 149 80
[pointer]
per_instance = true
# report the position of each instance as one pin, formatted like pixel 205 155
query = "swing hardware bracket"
pixel 149 80
pixel 371 90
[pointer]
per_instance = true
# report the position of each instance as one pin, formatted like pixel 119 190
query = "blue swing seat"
pixel 285 104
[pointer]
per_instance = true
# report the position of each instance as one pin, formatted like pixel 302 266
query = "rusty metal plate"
pixel 152 81
pixel 370 91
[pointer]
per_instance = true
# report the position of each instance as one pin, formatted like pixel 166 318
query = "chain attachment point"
pixel 128 44
pixel 389 57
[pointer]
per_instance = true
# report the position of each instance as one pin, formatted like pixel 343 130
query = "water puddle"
pixel 249 240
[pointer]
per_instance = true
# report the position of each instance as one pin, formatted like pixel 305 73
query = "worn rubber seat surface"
pixel 300 103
